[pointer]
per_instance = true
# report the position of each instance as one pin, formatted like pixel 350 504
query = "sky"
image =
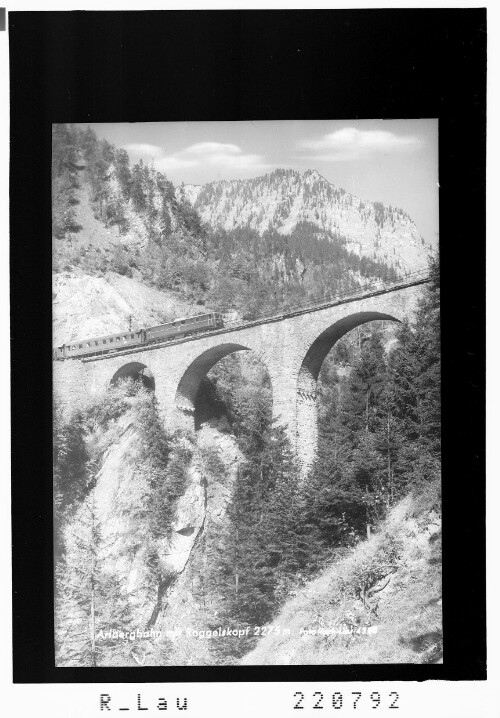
pixel 390 161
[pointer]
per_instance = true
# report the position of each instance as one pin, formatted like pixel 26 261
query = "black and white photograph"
pixel 246 385
pixel 247 422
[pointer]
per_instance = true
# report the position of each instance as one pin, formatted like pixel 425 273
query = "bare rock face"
pixel 219 493
pixel 174 551
pixel 204 501
pixel 120 496
pixel 120 491
pixel 182 610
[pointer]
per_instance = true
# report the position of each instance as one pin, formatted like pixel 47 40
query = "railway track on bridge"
pixel 411 280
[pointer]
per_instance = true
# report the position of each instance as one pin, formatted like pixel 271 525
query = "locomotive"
pixel 125 340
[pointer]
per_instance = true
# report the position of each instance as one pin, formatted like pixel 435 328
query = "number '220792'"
pixel 353 700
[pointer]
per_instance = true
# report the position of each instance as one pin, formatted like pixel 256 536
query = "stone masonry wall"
pixel 291 348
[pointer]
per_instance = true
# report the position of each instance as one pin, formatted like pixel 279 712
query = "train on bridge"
pixel 180 328
pixel 121 341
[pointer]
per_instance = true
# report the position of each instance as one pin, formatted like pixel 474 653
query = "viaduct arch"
pixel 306 412
pixel 136 371
pixel 291 347
pixel 187 391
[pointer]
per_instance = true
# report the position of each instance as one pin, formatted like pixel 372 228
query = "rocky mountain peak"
pixel 284 198
pixel 313 176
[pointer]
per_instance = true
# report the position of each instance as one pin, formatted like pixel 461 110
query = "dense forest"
pixel 379 441
pixel 226 271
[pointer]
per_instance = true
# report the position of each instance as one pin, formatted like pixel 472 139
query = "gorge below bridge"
pixel 291 346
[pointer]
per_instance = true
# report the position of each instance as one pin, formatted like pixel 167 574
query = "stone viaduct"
pixel 292 347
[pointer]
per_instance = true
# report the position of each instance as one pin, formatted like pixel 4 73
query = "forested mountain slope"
pixel 381 603
pixel 110 216
pixel 285 199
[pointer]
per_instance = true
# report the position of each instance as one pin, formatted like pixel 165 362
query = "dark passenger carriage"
pixel 184 327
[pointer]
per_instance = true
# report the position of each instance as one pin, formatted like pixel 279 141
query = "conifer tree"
pixel 72 471
pixel 78 591
pixel 416 376
pixel 123 172
pixel 137 192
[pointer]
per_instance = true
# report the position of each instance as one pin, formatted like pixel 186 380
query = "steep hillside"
pixel 187 609
pixel 251 247
pixel 85 305
pixel 130 550
pixel 97 286
pixel 379 604
pixel 284 198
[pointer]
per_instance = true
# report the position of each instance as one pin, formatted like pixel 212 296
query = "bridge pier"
pixel 292 347
pixel 306 435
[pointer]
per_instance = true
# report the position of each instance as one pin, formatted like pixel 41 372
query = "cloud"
pixel 215 154
pixel 207 148
pixel 349 143
pixel 143 149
